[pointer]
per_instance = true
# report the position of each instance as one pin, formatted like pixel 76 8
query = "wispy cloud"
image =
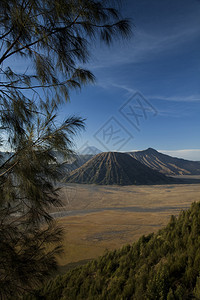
pixel 144 46
pixel 190 154
pixel 190 98
pixel 124 87
pixel 130 91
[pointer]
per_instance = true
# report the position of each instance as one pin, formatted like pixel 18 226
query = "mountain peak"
pixel 166 164
pixel 151 150
pixel 115 168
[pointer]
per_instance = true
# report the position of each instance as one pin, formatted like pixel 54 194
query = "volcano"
pixel 115 168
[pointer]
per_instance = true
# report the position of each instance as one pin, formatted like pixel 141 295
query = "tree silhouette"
pixel 50 39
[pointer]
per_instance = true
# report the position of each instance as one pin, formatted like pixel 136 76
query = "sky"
pixel 147 91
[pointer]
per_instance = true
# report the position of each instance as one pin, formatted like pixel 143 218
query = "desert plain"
pixel 97 218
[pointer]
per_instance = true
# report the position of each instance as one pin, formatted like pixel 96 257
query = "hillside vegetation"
pixel 165 265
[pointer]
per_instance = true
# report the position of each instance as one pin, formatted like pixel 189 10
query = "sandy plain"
pixel 97 218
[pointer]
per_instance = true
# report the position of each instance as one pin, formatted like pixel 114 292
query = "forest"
pixel 162 265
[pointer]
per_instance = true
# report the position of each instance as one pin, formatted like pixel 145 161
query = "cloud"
pixel 143 46
pixel 124 87
pixel 191 98
pixel 130 91
pixel 190 154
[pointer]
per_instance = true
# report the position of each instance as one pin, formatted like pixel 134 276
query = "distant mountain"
pixel 166 164
pixel 78 161
pixel 81 158
pixel 112 168
pixel 89 150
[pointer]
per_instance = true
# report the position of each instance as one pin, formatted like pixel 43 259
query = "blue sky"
pixel 147 91
pixel 160 64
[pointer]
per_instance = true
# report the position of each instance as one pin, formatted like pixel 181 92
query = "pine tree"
pixel 50 38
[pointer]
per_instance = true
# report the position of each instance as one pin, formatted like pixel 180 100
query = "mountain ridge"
pixel 115 168
pixel 166 164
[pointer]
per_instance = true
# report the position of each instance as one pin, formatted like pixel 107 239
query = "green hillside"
pixel 165 265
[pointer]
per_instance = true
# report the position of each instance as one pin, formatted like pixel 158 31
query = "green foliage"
pixel 55 36
pixel 50 39
pixel 146 270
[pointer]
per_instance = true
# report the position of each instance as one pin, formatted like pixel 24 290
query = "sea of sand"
pixel 99 218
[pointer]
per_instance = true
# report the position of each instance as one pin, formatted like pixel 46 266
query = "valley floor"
pixel 96 218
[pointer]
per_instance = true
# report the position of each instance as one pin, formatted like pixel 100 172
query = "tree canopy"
pixel 165 265
pixel 51 40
